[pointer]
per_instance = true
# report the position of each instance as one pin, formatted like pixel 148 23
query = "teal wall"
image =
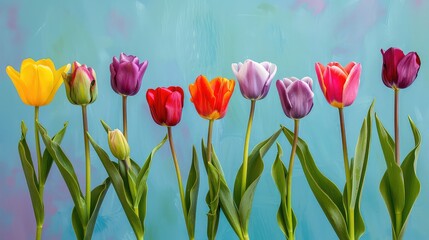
pixel 182 39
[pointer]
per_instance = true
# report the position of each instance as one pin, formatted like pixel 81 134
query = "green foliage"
pixel 130 184
pixel 333 203
pixel 399 186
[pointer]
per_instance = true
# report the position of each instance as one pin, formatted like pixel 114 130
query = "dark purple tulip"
pixel 296 96
pixel 399 70
pixel 126 74
pixel 254 78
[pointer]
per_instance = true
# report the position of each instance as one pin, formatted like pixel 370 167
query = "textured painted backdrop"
pixel 182 39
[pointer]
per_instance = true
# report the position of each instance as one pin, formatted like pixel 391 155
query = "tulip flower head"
pixel 126 74
pixel 118 144
pixel 38 81
pixel 254 78
pixel 211 98
pixel 399 70
pixel 339 84
pixel 166 105
pixel 296 96
pixel 81 85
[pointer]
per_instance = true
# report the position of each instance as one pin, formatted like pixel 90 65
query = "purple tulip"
pixel 254 78
pixel 399 70
pixel 126 74
pixel 296 96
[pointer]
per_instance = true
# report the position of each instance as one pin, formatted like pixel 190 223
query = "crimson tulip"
pixel 339 84
pixel 399 70
pixel 165 105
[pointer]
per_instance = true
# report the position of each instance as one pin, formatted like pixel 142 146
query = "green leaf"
pixel 118 184
pixel 47 159
pixel 359 164
pixel 221 192
pixel 279 174
pixel 105 126
pixel 326 193
pixel 254 172
pixel 97 197
pixel 212 200
pixel 412 183
pixel 30 176
pixel 392 186
pixel 141 182
pixel 67 171
pixel 77 225
pixel 191 193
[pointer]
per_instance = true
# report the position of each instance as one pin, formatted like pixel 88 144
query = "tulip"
pixel 118 144
pixel 339 84
pixel 399 70
pixel 37 82
pixel 254 78
pixel 126 74
pixel 211 98
pixel 165 105
pixel 81 84
pixel 296 96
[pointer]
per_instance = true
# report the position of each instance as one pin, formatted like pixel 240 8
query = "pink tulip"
pixel 339 84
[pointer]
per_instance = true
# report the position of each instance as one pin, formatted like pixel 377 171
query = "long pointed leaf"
pixel 97 197
pixel 191 193
pixel 30 176
pixel 412 183
pixel 68 173
pixel 326 193
pixel 279 174
pixel 47 158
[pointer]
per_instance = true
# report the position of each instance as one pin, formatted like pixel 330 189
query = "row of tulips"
pixel 38 81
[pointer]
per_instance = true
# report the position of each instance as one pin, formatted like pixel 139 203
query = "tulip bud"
pixel 81 86
pixel 118 144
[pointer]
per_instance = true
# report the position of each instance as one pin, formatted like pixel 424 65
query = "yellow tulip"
pixel 37 82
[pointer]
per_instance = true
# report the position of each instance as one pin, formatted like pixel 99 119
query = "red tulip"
pixel 339 84
pixel 211 98
pixel 165 105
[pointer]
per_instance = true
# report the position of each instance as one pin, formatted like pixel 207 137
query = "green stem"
pixel 124 116
pixel 396 122
pixel 291 235
pixel 39 232
pixel 398 222
pixel 179 178
pixel 87 161
pixel 347 170
pixel 209 141
pixel 246 236
pixel 39 168
pixel 246 147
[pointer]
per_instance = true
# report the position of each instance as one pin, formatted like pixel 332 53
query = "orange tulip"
pixel 211 98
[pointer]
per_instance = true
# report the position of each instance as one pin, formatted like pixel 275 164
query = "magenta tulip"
pixel 339 84
pixel 399 70
pixel 126 74
pixel 296 96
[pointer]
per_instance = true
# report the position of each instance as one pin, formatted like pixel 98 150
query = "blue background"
pixel 182 39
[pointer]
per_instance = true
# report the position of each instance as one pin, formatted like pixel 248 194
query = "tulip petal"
pixel 46 62
pixel 126 77
pixel 20 85
pixel 281 89
pixel 349 67
pixel 202 96
pixel 408 69
pixel 300 97
pixel 173 108
pixel 320 71
pixel 142 70
pixel 352 85
pixel 335 78
pixel 391 58
pixel 58 80
pixel 309 81
pixel 27 62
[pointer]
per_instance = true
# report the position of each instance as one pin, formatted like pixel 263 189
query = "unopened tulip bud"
pixel 118 144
